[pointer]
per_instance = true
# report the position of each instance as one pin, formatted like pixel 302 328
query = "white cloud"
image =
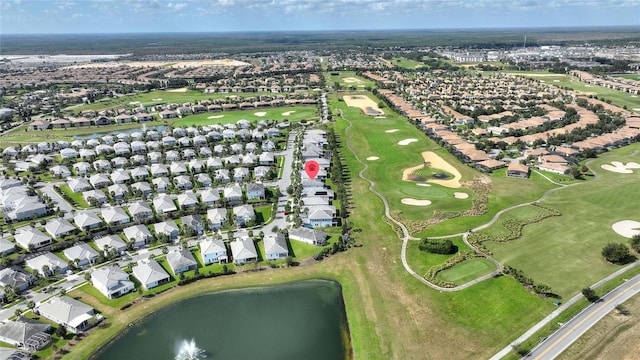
pixel 177 6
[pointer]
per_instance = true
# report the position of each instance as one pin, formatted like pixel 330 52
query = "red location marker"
pixel 312 168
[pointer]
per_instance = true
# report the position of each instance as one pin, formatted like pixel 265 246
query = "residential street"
pixel 47 188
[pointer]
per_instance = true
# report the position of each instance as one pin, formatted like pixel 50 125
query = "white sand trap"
pixel 361 85
pixel 380 117
pixel 287 113
pixel 415 202
pixel 636 109
pixel 588 86
pixel 364 103
pixel 215 117
pixel 406 142
pixel 425 185
pixel 349 80
pixel 156 99
pixel 184 89
pixel 373 158
pixel 627 228
pixel 134 103
pixel 620 168
pixel 556 80
pixel 460 195
pixel 439 163
pixel 260 113
pixel 392 131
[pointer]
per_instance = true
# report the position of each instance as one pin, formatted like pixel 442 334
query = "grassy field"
pixel 358 85
pixel 291 113
pixel 629 76
pixel 406 63
pixel 619 98
pixel 467 271
pixel 158 97
pixel 422 261
pixel 569 246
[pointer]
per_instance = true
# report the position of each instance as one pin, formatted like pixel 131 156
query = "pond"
pixel 96 135
pixel 303 320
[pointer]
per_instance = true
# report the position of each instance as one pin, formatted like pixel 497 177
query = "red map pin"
pixel 312 168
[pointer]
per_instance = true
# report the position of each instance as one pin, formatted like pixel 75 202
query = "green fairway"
pixel 629 76
pixel 290 113
pixel 569 246
pixel 348 80
pixel 467 271
pixel 406 63
pixel 422 261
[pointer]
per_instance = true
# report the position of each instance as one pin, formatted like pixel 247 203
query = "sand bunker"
pixel 364 103
pixel 392 131
pixel 460 195
pixel 134 103
pixel 373 158
pixel 620 168
pixel 437 162
pixel 184 89
pixel 350 80
pixel 423 184
pixel 215 117
pixel 636 109
pixel 627 228
pixel 406 142
pixel 415 202
pixel 380 117
pixel 260 113
pixel 156 99
pixel 287 113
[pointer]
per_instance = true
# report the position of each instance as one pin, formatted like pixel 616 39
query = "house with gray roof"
pixel 209 197
pixel 216 218
pixel 6 247
pixel 181 260
pixel 59 227
pixel 150 274
pixel 222 175
pixel 158 170
pixel 142 187
pixel 183 182
pixel 309 236
pixel 243 215
pixel 98 195
pixel 87 220
pixel 137 235
pixel 243 251
pixel 240 174
pixel 60 171
pixel 99 181
pixel 232 194
pixel 213 251
pixel 255 191
pixel 169 228
pixel 115 215
pixel 120 176
pixel 140 210
pixel 68 312
pixel 112 281
pixel 178 168
pixel 17 278
pixel 51 261
pixel 164 204
pixel 187 200
pixel 30 238
pixel 192 223
pixel 82 168
pixel 81 254
pixel 110 242
pixel 275 246
pixel 24 333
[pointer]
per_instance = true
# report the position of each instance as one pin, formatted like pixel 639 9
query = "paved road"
pixel 554 345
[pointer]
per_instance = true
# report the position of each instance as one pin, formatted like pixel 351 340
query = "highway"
pixel 568 333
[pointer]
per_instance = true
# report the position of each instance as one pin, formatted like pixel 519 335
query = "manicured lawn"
pixel 569 246
pixel 263 214
pixel 340 79
pixel 78 200
pixel 467 271
pixel 421 261
pixel 406 63
pixel 291 113
pixel 629 76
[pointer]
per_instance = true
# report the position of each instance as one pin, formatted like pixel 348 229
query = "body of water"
pixel 304 320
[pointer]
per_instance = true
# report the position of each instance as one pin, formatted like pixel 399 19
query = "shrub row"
pixel 438 246
pixel 431 275
pixel 527 282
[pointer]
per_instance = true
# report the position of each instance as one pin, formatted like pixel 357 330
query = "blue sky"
pixel 132 16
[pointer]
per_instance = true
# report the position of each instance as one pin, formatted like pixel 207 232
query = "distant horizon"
pixel 312 31
pixel 37 17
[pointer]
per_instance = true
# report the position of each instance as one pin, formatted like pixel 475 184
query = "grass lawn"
pixel 569 246
pixel 421 261
pixel 406 63
pixel 78 200
pixel 263 214
pixel 467 271
pixel 629 76
pixel 354 85
pixel 291 113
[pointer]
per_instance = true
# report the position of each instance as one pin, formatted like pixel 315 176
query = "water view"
pixel 304 320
